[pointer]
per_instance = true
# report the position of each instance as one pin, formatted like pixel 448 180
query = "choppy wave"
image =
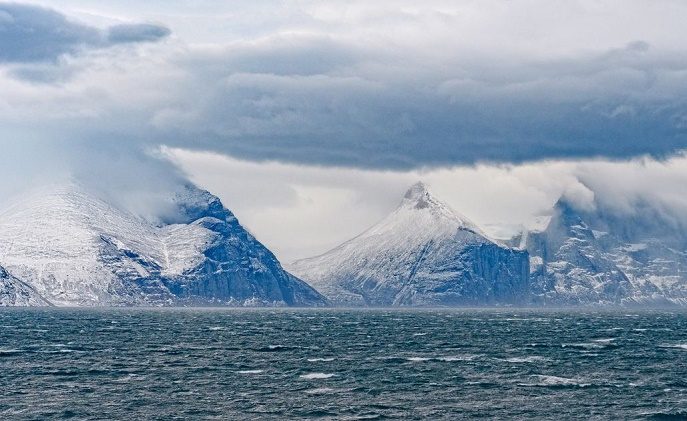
pixel 338 364
pixel 677 346
pixel 320 391
pixel 465 357
pixel 317 376
pixel 528 359
pixel 555 382
pixel 592 345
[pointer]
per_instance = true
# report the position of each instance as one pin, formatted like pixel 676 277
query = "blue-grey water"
pixel 341 364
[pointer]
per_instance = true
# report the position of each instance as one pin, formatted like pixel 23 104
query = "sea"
pixel 435 364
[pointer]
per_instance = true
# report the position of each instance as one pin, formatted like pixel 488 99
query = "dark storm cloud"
pixel 356 109
pixel 369 96
pixel 31 34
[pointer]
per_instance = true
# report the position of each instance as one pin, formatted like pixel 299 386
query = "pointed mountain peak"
pixel 568 208
pixel 417 190
pixel 568 216
pixel 419 196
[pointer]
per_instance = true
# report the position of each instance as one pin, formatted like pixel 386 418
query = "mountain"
pixel 599 255
pixel 422 254
pixel 14 292
pixel 72 247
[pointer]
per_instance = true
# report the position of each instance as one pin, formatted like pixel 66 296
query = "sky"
pixel 310 118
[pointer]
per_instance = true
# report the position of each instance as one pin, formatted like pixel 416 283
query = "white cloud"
pixel 399 91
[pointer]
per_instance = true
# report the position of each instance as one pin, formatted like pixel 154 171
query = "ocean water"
pixel 342 364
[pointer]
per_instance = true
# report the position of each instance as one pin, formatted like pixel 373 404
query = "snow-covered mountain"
pixel 422 254
pixel 67 246
pixel 598 255
pixel 14 292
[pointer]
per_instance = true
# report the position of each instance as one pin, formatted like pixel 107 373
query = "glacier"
pixel 423 254
pixel 64 245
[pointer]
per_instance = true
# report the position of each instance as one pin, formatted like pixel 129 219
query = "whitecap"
pixel 214 328
pixel 420 334
pixel 319 391
pixel 250 371
pixel 451 358
pixel 418 359
pixel 677 346
pixel 528 359
pixel 586 345
pixel 316 376
pixel 555 381
pixel 314 360
pixel 604 340
pixel 130 378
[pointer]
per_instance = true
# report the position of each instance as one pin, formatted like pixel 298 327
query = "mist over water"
pixel 342 364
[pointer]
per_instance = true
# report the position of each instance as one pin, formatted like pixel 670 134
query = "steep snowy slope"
pixel 601 257
pixel 14 292
pixel 74 248
pixel 422 254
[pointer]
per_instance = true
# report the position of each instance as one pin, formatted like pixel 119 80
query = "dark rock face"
pixel 234 269
pixel 504 272
pixel 239 268
pixel 478 274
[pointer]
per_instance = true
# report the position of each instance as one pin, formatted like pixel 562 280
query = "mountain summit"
pixel 604 256
pixel 66 245
pixel 424 253
pixel 419 197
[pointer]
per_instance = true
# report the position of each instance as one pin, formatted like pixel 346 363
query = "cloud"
pixel 124 174
pixel 369 86
pixel 500 106
pixel 300 211
pixel 30 34
pixel 377 107
pixel 141 32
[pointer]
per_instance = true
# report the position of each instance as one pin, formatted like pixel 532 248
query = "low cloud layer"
pixel 293 208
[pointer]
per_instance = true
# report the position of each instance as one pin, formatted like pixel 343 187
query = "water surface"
pixel 341 364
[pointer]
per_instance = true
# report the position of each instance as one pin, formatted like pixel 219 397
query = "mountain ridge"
pixel 75 248
pixel 595 256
